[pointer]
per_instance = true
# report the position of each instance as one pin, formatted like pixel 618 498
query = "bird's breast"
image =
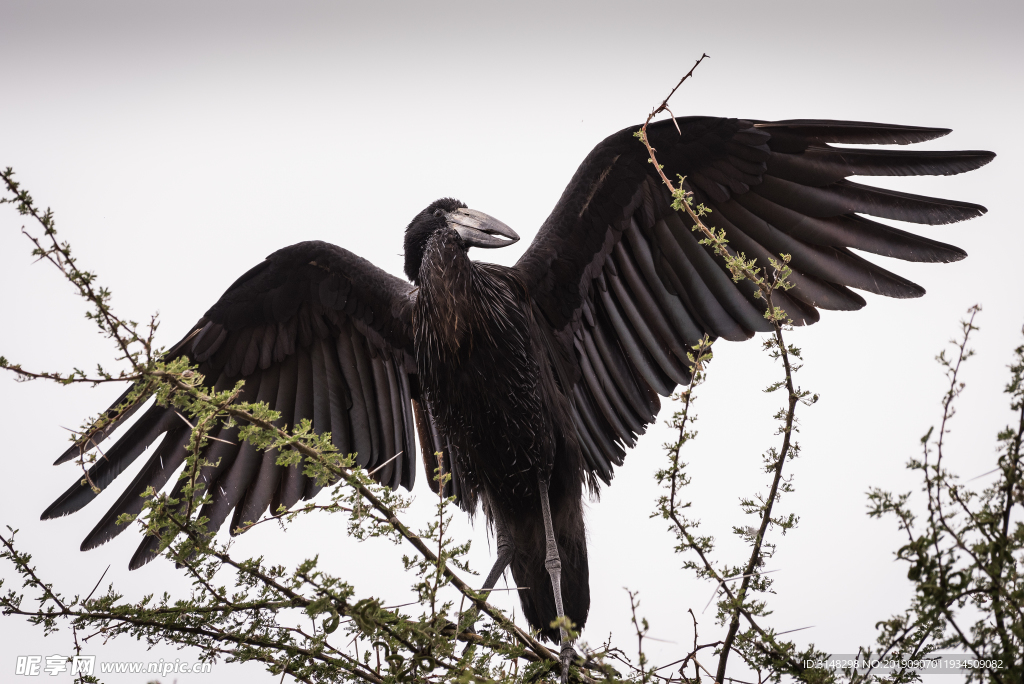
pixel 481 379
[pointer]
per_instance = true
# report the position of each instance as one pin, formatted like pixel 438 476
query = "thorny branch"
pixel 741 268
pixel 59 254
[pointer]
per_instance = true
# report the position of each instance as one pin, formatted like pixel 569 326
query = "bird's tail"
pixel 532 577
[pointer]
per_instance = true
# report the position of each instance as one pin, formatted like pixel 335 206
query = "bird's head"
pixel 473 228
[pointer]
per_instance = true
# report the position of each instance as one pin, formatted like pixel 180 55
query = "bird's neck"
pixel 445 303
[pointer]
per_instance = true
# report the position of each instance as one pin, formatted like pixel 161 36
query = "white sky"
pixel 179 146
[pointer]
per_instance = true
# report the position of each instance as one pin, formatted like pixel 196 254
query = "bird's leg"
pixel 554 565
pixel 505 549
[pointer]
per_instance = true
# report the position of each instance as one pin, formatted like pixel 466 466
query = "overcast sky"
pixel 179 145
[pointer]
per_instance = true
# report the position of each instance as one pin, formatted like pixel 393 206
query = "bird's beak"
pixel 477 229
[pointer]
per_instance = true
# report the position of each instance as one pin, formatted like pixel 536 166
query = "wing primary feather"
pixel 387 450
pixel 408 427
pixel 672 282
pixel 93 438
pixel 669 365
pixel 322 421
pixel 615 361
pixel 878 238
pixel 321 390
pixel 225 492
pixel 796 311
pixel 360 413
pixel 294 482
pixel 807 289
pixel 851 132
pixel 165 460
pixel 342 399
pixel 365 373
pixel 904 206
pixel 234 484
pixel 264 486
pixel 821 165
pixel 670 304
pixel 610 390
pixel 845 197
pixel 152 424
pixel 604 441
pixel 654 316
pixel 221 454
pixel 799 312
pixel 715 278
pixel 603 404
pixel 713 315
pixel 839 298
pixel 833 265
pixel 201 331
pixel 634 353
pixel 147 551
pixel 595 459
pixel 217 457
pixel 850 230
pixel 397 421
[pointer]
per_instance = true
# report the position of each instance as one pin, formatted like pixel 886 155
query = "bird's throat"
pixel 445 302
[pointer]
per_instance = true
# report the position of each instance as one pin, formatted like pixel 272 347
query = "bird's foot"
pixel 566 657
pixel 470 636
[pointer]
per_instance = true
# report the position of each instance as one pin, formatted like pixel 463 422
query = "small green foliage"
pixel 965 555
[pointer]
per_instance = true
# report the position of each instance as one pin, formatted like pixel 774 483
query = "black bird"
pixel 532 381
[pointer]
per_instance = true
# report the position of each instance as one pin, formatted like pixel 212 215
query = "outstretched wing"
pixel 627 289
pixel 317 333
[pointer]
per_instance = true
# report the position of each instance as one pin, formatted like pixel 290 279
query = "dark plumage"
pixel 534 379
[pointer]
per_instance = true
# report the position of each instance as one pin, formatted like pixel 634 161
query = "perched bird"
pixel 531 382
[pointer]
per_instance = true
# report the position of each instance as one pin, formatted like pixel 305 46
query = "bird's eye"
pixel 438 213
